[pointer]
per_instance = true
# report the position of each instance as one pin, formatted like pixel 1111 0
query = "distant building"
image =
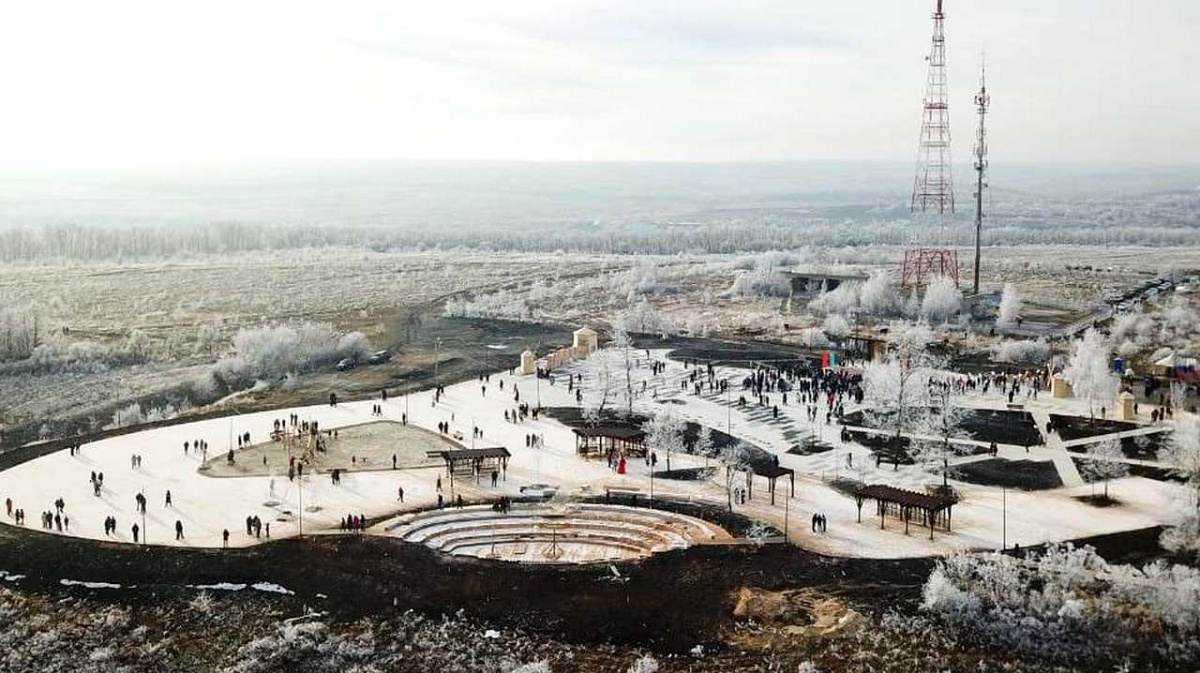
pixel 808 283
pixel 586 342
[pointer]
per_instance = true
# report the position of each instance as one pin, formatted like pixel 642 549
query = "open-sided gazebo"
pixel 474 461
pixel 597 441
pixel 931 508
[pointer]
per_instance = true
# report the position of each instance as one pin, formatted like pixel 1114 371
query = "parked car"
pixel 379 357
pixel 346 364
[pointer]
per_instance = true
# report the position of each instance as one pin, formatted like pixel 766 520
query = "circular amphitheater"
pixel 575 533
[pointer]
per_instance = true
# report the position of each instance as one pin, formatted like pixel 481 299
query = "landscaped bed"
pixel 1026 475
pixel 1002 426
pixel 1078 427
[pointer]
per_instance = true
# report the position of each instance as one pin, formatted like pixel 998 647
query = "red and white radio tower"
pixel 933 188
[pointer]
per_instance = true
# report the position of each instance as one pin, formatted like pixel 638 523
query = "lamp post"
pixel 1003 518
pixel 437 356
pixel 786 533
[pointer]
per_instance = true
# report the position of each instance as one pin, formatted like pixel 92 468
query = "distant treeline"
pixel 81 243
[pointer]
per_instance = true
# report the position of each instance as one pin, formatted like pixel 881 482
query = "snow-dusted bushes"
pixel 502 305
pixel 760 283
pixel 840 300
pixel 271 353
pixel 308 646
pixel 1021 351
pixel 135 414
pixel 1070 603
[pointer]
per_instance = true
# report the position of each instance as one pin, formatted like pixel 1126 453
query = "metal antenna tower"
pixel 933 187
pixel 983 100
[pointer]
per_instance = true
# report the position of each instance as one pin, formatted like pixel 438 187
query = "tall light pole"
pixel 786 534
pixel 437 351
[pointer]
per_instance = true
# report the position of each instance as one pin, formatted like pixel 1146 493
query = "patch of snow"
pixel 89 585
pixel 271 587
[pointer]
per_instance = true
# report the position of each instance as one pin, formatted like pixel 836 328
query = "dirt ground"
pixel 369 446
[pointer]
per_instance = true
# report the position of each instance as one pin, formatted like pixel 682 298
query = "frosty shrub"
pixel 645 664
pixel 534 667
pixel 1070 603
pixel 1022 351
pixel 134 414
pixel 308 646
pixel 271 353
pixel 501 305
pixel 942 299
pixel 760 283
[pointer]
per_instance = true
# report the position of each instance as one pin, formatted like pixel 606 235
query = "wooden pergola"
pixel 474 461
pixel 772 471
pixel 932 509
pixel 598 441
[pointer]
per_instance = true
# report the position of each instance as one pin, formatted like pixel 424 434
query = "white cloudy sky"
pixel 120 82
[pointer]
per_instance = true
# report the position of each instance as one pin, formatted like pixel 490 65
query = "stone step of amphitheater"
pixel 541 533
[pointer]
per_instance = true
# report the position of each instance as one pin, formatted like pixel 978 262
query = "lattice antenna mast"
pixel 983 101
pixel 933 188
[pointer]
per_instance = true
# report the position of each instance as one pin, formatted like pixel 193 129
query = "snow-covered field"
pixel 206 505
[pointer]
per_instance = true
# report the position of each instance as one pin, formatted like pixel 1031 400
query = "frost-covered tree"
pixel 1105 462
pixel 942 299
pixel 839 301
pixel 704 443
pixel 899 383
pixel 878 295
pixel 943 421
pixel 1088 372
pixel 1184 451
pixel 1010 306
pixel 1022 351
pixel 737 460
pixel 665 433
pixel 835 325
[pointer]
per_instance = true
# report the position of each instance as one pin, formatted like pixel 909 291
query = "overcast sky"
pixel 119 82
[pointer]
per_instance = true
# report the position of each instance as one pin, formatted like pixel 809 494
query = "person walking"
pixel 400 493
pixel 167 500
pixel 135 529
pixel 225 539
pixel 178 529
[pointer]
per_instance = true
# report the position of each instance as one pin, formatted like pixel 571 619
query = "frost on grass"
pixel 1069 603
pixel 308 646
